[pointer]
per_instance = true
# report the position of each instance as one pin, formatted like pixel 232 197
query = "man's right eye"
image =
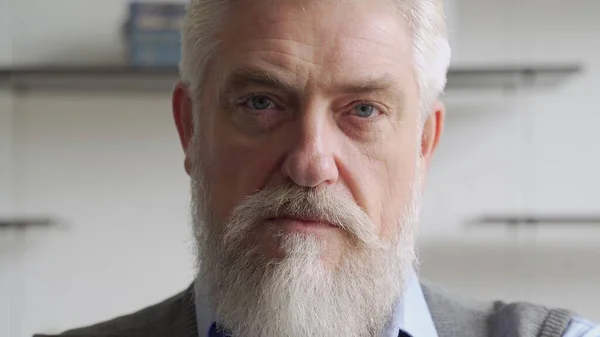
pixel 259 102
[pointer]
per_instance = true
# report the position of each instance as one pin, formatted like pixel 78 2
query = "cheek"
pixel 385 180
pixel 402 194
pixel 402 183
pixel 236 169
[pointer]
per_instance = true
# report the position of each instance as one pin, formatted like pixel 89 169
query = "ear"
pixel 182 114
pixel 432 131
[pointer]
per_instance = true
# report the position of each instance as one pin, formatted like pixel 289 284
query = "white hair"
pixel 431 49
pixel 426 19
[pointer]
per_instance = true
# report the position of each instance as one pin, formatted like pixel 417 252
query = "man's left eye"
pixel 365 111
pixel 259 102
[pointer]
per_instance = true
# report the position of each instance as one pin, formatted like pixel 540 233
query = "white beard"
pixel 298 296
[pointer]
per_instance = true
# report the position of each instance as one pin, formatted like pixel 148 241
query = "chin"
pixel 302 280
pixel 322 245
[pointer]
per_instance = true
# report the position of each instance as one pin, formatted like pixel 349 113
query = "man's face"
pixel 323 97
pixel 307 163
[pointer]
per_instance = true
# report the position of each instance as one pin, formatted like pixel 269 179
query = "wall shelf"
pixel 482 77
pixel 537 219
pixel 24 222
pixel 89 78
pixel 114 77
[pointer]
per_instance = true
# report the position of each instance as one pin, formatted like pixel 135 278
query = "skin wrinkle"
pixel 374 86
pixel 425 21
pixel 275 39
pixel 353 87
pixel 270 52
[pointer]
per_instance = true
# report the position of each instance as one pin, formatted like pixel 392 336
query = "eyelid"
pixel 244 100
pixel 251 95
pixel 382 108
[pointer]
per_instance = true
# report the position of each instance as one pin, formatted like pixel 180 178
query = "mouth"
pixel 300 224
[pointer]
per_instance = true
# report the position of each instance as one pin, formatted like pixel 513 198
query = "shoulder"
pixel 468 317
pixel 173 314
pixel 454 314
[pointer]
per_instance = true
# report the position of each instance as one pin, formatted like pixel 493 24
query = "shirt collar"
pixel 411 315
pixel 205 315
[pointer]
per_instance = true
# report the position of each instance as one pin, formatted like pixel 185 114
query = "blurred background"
pixel 94 199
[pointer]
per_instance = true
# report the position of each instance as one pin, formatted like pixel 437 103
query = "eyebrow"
pixel 382 86
pixel 373 84
pixel 244 77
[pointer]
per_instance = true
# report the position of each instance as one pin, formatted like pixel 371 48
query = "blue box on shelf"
pixel 152 34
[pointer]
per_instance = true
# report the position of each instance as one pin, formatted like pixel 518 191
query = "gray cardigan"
pixel 452 316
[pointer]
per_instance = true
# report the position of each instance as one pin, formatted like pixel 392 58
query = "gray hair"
pixel 426 19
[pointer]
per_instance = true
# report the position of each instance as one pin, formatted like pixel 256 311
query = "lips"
pixel 300 222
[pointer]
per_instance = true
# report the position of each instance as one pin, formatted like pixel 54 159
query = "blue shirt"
pixel 411 316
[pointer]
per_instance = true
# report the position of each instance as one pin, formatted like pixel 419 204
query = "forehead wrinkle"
pixel 313 58
pixel 289 40
pixel 291 66
pixel 256 75
pixel 362 49
pixel 284 64
pixel 369 83
pixel 284 53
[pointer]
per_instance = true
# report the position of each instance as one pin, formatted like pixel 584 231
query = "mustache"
pixel 288 200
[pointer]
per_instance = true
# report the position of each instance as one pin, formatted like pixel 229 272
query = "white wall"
pixel 533 152
pixel 8 248
pixel 6 104
pixel 6 32
pixel 109 168
pixel 557 275
pixel 68 31
pixel 122 229
pixel 536 151
pixel 6 151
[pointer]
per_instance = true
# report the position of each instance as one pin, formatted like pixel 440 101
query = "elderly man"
pixel 308 127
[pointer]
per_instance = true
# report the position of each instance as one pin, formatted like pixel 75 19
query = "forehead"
pixel 319 42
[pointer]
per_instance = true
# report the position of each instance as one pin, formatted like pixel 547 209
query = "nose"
pixel 310 161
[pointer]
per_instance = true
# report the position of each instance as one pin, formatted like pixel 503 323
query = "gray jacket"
pixel 453 317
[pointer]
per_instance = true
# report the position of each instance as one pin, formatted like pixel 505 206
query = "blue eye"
pixel 365 110
pixel 259 103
